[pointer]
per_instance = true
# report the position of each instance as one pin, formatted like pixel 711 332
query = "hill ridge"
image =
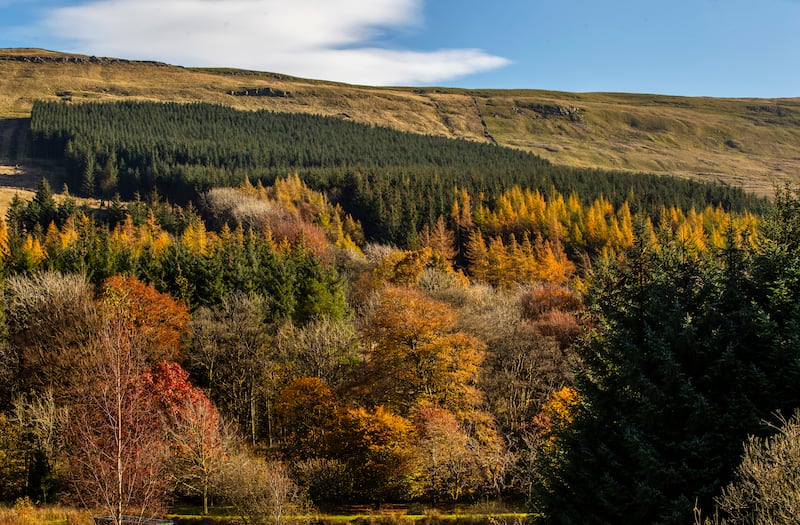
pixel 753 143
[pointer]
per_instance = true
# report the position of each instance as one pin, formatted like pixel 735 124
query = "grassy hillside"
pixel 753 143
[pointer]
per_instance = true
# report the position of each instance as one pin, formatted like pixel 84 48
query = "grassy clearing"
pixel 753 143
pixel 479 514
pixel 25 513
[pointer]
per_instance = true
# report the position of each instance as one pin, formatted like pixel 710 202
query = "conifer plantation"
pixel 269 312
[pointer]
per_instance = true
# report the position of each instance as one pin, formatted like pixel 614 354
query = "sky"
pixel 720 48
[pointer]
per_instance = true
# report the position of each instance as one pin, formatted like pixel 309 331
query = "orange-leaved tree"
pixel 375 445
pixel 416 353
pixel 159 320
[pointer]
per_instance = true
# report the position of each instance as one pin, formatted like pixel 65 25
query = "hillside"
pixel 752 143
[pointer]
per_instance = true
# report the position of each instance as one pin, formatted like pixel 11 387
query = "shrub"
pixel 545 297
pixel 766 489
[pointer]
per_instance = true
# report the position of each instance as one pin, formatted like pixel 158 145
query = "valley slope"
pixel 752 143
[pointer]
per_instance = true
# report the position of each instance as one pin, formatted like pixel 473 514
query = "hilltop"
pixel 752 143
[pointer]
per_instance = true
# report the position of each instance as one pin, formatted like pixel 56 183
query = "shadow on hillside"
pixel 17 169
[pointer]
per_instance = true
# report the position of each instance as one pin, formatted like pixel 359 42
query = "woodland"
pixel 274 312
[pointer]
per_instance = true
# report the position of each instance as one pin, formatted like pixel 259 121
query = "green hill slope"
pixel 752 143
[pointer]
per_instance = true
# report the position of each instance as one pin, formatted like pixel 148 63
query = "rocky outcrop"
pixel 778 111
pixel 552 110
pixel 261 92
pixel 74 59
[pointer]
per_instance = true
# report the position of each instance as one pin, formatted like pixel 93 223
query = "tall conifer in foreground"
pixel 689 355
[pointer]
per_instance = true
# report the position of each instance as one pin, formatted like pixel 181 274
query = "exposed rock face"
pixel 779 111
pixel 261 92
pixel 552 110
pixel 72 59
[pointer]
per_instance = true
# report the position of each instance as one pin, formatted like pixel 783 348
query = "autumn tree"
pixel 450 462
pixel 375 445
pixel 197 439
pixel 416 353
pixel 440 240
pixel 305 411
pixel 158 319
pixel 116 451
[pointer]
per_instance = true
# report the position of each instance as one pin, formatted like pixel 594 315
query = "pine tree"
pixel 688 357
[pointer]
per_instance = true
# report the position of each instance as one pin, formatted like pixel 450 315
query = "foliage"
pixel 260 491
pixel 41 422
pixel 376 447
pixel 198 442
pixel 305 410
pixel 451 464
pixel 394 183
pixel 156 317
pixel 690 354
pixel 416 353
pixel 766 487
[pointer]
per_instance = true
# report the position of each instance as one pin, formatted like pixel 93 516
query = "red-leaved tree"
pixel 197 438
pixel 158 319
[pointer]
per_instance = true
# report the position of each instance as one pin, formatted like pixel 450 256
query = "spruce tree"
pixel 685 361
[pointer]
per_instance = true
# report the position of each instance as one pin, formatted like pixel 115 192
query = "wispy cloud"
pixel 327 39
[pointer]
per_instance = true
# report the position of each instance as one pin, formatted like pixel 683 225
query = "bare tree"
pixel 261 491
pixel 323 348
pixel 116 450
pixel 230 356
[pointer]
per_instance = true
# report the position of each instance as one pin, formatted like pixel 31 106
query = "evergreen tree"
pixel 687 359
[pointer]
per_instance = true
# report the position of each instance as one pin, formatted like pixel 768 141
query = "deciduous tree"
pixel 416 353
pixel 158 319
pixel 197 439
pixel 117 452
pixel 230 356
pixel 261 491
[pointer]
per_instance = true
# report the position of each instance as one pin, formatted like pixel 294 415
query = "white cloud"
pixel 325 39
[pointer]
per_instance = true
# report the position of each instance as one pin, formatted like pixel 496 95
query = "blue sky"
pixel 724 48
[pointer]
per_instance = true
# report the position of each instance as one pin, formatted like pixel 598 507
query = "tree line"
pixel 394 183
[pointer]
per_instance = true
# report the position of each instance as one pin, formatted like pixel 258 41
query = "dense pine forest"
pixel 270 312
pixel 393 182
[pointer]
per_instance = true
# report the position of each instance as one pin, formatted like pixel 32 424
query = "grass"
pixel 745 142
pixel 26 513
pixel 483 514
